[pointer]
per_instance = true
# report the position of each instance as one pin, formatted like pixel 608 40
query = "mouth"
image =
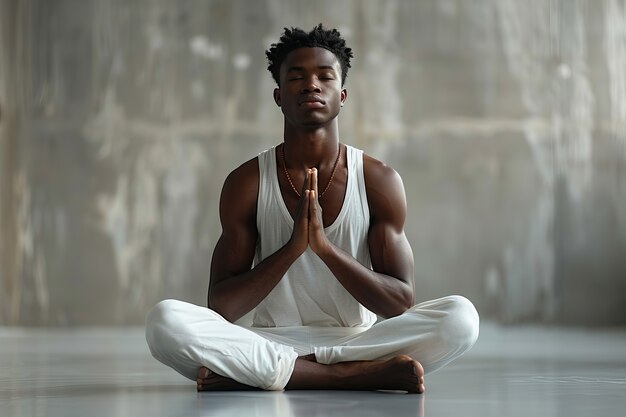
pixel 311 101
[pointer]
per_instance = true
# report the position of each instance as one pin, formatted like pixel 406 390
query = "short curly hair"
pixel 295 38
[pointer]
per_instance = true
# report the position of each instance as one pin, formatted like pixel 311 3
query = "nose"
pixel 311 85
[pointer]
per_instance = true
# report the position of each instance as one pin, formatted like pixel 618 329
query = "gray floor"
pixel 518 371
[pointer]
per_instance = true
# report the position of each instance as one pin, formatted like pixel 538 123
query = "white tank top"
pixel 309 294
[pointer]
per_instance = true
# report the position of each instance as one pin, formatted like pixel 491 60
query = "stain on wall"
pixel 119 122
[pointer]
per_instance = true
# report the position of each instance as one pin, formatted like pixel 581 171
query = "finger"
pixel 300 208
pixel 307 181
pixel 307 202
pixel 313 206
pixel 314 180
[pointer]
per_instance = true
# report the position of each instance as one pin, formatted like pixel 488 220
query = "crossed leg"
pixel 398 373
pixel 201 345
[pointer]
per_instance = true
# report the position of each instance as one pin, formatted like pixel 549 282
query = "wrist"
pixel 324 250
pixel 292 250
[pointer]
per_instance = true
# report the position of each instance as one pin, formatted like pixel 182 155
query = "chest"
pixel 331 202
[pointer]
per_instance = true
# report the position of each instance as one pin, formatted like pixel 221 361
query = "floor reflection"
pixel 310 404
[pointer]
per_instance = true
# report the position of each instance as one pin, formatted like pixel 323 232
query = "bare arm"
pixel 234 287
pixel 387 290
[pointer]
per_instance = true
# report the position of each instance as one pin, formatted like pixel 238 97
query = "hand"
pixel 317 237
pixel 300 235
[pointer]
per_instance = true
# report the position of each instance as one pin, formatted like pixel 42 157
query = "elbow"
pixel 403 302
pixel 396 311
pixel 228 314
pixel 408 295
pixel 222 308
pixel 406 298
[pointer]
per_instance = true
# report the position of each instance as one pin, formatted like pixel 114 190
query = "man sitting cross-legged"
pixel 313 241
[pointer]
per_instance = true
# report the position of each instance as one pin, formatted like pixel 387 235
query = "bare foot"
pixel 398 373
pixel 401 373
pixel 208 380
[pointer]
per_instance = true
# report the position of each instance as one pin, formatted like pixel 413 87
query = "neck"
pixel 314 148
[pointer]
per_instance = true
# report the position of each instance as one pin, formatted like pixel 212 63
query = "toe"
pixel 203 373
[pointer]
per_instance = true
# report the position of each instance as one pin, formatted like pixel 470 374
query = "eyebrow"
pixel 302 69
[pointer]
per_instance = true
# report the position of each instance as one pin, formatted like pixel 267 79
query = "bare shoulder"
pixel 385 191
pixel 245 176
pixel 378 174
pixel 240 191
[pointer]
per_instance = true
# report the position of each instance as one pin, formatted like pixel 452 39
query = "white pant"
pixel 186 337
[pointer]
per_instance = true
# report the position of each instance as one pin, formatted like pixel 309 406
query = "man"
pixel 323 226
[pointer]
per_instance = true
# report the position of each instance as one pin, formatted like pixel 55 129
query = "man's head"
pixel 320 37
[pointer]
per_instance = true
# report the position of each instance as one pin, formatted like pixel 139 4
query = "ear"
pixel 277 96
pixel 343 96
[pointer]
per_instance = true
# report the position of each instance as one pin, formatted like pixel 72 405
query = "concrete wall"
pixel 120 120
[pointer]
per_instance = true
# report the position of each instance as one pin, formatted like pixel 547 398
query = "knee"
pixel 161 320
pixel 164 312
pixel 460 327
